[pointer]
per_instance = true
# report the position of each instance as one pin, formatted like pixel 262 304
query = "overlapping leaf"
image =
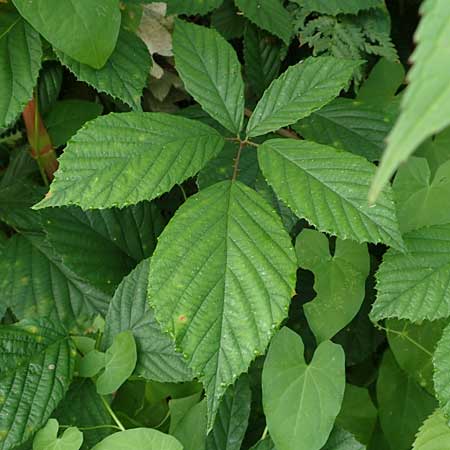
pixel 232 418
pixel 129 310
pixel 341 439
pixel 339 280
pixel 301 401
pixel 93 243
pixel 416 285
pixel 211 73
pixel 121 159
pixel 191 7
pixel 354 126
pixel 222 297
pixel 47 438
pixel 328 187
pixel 425 105
pixel 402 404
pixel 34 282
pixel 269 15
pixel 37 366
pixel 124 75
pixel 335 7
pixel 441 363
pixel 434 434
pixel 93 26
pixel 301 90
pixel 20 61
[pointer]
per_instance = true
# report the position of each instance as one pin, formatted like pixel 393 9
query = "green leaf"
pixel 35 282
pixel 436 150
pixel 93 243
pixel 37 361
pixel 341 439
pixel 139 438
pixel 190 428
pixel 358 415
pixel 124 75
pixel 339 280
pixel 335 7
pixel 434 434
pixel 47 438
pixel 419 199
pixel 298 92
pixel 91 364
pixel 351 125
pixel 328 187
pixel 93 27
pixel 66 117
pixel 415 285
pixel 20 61
pixel 301 401
pixel 265 444
pixel 262 55
pixel 227 21
pixel 192 7
pixel 120 361
pixel 425 105
pixel 121 159
pixel 232 417
pixel 129 310
pixel 413 346
pixel 382 83
pixel 211 73
pixel 269 15
pixel 222 297
pixel 441 378
pixel 402 404
pixel 49 85
pixel 83 407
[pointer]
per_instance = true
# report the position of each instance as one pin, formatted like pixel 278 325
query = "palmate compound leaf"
pixel 434 434
pixel 220 281
pixel 129 310
pixel 441 376
pixel 301 90
pixel 211 73
pixel 416 285
pixel 425 105
pixel 20 61
pixel 121 159
pixel 328 187
pixel 93 26
pixel 301 401
pixel 36 368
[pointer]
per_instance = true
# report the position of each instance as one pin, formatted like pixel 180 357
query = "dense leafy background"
pixel 213 235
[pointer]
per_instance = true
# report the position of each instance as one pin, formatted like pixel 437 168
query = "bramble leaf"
pixel 328 187
pixel 211 73
pixel 222 296
pixel 121 159
pixel 301 90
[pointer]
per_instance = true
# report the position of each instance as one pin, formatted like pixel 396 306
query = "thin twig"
pixel 236 161
pixel 112 413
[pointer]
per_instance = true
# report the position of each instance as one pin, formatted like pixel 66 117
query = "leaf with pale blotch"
pixel 222 296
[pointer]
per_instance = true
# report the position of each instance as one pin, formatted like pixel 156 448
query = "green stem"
pixel 236 161
pixel 183 192
pixel 97 427
pixel 112 413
